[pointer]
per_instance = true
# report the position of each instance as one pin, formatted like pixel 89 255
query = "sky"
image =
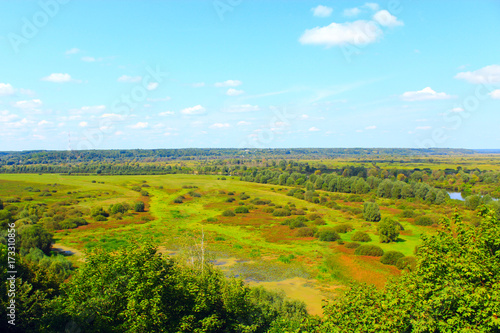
pixel 249 74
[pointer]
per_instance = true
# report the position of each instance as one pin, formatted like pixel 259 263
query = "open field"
pixel 255 246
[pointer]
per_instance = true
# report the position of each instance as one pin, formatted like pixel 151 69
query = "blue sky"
pixel 239 73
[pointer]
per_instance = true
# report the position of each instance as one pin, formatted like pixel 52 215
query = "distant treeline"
pixel 162 155
pixel 400 188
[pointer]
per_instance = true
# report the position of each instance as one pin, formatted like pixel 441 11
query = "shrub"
pixel 371 212
pixel 319 221
pixel 99 218
pixel 343 228
pixel 211 219
pixel 98 211
pixel 178 200
pixel 328 236
pixel 407 262
pixel 408 213
pixel 388 230
pixel 139 206
pixel 424 220
pixel 282 212
pixel 230 199
pixel 241 210
pixel 73 222
pixel 144 193
pixel 352 245
pixel 228 212
pixel 244 196
pixel 268 209
pixel 391 257
pixel 117 208
pixel 305 232
pixel 369 250
pixel 360 236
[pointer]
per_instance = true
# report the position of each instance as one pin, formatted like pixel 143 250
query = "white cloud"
pixel 72 51
pixel 322 11
pixel 314 129
pixel 243 123
pixel 488 74
pixel 495 94
pixel 197 109
pixel 119 133
pixel 234 92
pixel 242 108
pixel 304 116
pixel 386 19
pixel 220 125
pixel 58 78
pixel 164 99
pixel 457 110
pixel 6 89
pixel 89 59
pixel 424 94
pixel 229 83
pixel 89 109
pixel 114 116
pixel 32 104
pixel 372 127
pixel 352 11
pixel 83 124
pixel 198 84
pixel 139 125
pixel 166 113
pixel 44 122
pixel 423 128
pixel 6 116
pixel 371 5
pixel 129 79
pixel 152 85
pixel 357 33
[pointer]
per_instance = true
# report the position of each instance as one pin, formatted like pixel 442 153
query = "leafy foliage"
pixel 371 212
pixel 369 250
pixel 455 287
pixel 360 236
pixel 388 230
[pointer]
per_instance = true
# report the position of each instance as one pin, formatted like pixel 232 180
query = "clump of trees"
pixel 371 212
pixel 388 230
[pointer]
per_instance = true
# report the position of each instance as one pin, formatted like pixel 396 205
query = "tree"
pixel 371 212
pixel 35 236
pixel 139 206
pixel 388 230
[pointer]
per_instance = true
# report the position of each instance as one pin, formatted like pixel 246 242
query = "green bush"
pixel 268 209
pixel 211 219
pixel 328 236
pixel 369 250
pixel 179 200
pixel 282 212
pixel 407 262
pixel 304 232
pixel 343 228
pixel 230 199
pixel 408 213
pixel 99 218
pixel 241 210
pixel 228 212
pixel 139 206
pixel 424 220
pixel 360 236
pixel 352 245
pixel 391 257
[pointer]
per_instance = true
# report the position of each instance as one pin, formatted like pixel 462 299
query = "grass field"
pixel 254 245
